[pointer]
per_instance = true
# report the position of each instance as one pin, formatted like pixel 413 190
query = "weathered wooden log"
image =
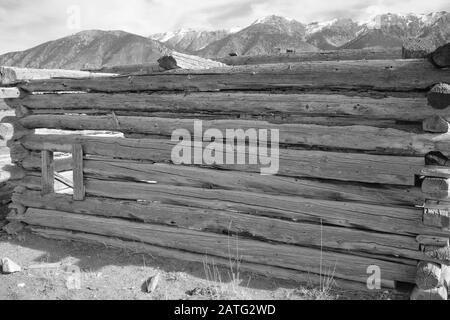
pixel 9 93
pixel 244 181
pixel 12 75
pixel 439 96
pixel 436 124
pixel 375 140
pixel 441 56
pixel 345 266
pixel 305 163
pixel 130 69
pixel 178 60
pixel 405 221
pixel 432 294
pixel 437 158
pixel 441 254
pixel 436 188
pixel 384 75
pixel 409 108
pixel 433 241
pixel 329 55
pixel 436 171
pixel 265 270
pixel 428 275
pixel 269 229
pixel 417 48
pixel 436 215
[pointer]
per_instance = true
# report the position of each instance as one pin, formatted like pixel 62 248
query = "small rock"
pixel 13 228
pixel 21 285
pixel 9 266
pixel 152 283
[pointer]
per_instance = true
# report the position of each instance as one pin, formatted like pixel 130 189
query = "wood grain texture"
pixel 13 75
pixel 355 138
pixel 271 185
pixel 300 163
pixel 245 225
pixel 412 107
pixel 293 257
pixel 378 75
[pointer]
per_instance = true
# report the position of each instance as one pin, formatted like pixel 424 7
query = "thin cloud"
pixel 25 23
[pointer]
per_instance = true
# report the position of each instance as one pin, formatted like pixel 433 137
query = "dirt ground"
pixel 114 274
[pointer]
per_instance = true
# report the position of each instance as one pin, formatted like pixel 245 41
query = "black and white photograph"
pixel 224 156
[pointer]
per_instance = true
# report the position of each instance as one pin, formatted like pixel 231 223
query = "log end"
pixel 441 56
pixel 436 124
pixel 439 96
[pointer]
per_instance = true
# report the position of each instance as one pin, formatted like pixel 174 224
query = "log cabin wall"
pixel 358 143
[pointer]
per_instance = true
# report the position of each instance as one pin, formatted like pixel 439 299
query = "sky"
pixel 27 23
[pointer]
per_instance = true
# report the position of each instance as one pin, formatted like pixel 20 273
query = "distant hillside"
pixel 439 31
pixel 88 50
pixel 264 36
pixel 332 34
pixel 374 38
pixel 189 41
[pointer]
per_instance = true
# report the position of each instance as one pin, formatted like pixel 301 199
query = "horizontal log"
pixel 397 220
pixel 247 225
pixel 378 169
pixel 345 266
pixel 12 75
pixel 410 108
pixel 177 60
pixel 378 75
pixel 344 54
pixel 435 172
pixel 244 181
pixel 270 118
pixel 265 270
pixel 9 93
pixel 130 69
pixel 361 138
pixel 306 164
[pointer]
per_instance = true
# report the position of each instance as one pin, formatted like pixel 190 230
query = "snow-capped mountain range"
pixel 386 30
